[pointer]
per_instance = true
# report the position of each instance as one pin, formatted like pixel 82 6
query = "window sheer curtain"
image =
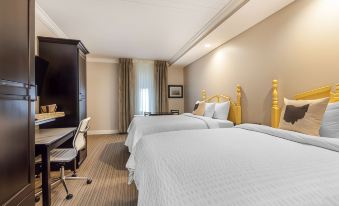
pixel 144 87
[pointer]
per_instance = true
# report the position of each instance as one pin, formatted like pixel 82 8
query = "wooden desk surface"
pixel 45 141
pixel 47 117
pixel 49 136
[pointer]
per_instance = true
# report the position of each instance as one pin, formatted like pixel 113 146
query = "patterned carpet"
pixel 105 164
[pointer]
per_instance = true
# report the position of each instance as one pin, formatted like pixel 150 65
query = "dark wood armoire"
pixel 64 82
pixel 17 96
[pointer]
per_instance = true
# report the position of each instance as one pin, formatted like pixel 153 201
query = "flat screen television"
pixel 41 67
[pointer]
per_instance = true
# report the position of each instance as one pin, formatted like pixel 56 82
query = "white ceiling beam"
pixel 226 12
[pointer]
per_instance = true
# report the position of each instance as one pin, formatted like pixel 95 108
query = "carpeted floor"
pixel 105 164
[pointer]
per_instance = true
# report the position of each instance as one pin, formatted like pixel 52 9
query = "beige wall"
pixel 102 88
pixel 176 77
pixel 299 46
pixel 102 96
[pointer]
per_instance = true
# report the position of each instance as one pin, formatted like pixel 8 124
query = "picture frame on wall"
pixel 175 91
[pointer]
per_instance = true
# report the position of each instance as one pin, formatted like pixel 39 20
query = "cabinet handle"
pixel 14 97
pixel 13 84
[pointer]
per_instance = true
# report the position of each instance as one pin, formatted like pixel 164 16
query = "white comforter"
pixel 141 126
pixel 246 165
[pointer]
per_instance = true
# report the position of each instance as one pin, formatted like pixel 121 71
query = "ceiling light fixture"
pixel 207 45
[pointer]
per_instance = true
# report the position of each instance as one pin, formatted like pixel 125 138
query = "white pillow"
pixel 209 109
pixel 330 124
pixel 221 110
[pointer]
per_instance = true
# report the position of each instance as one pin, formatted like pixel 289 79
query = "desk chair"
pixel 63 156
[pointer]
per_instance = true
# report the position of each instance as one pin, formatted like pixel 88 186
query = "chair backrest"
pixel 79 141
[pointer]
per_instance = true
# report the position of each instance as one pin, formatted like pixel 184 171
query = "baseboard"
pixel 97 132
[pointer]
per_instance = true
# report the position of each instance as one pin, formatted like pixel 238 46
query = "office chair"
pixel 63 156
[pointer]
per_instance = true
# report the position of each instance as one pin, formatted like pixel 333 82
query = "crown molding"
pixel 102 60
pixel 226 12
pixel 43 16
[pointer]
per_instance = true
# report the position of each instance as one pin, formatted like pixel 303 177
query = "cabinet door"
pixel 14 41
pixel 16 106
pixel 82 86
pixel 82 109
pixel 82 75
pixel 61 81
pixel 17 146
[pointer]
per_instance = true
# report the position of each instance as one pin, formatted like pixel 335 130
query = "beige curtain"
pixel 126 94
pixel 161 84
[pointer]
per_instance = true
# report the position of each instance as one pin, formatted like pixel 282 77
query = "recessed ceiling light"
pixel 207 45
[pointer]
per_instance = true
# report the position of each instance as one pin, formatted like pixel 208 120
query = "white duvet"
pixel 141 126
pixel 244 166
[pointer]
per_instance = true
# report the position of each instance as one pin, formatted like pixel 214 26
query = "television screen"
pixel 41 67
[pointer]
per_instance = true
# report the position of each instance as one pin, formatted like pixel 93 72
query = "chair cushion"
pixel 63 155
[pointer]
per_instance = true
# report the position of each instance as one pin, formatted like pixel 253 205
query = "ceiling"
pixel 154 29
pixel 249 15
pixel 145 29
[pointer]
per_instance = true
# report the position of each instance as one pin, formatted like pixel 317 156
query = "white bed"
pixel 141 125
pixel 245 165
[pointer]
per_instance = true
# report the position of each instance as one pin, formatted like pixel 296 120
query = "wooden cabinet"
pixel 17 96
pixel 65 81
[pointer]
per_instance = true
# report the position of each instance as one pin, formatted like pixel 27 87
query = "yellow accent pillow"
pixel 303 116
pixel 199 108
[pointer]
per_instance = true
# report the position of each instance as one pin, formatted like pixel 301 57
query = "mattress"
pixel 248 165
pixel 141 125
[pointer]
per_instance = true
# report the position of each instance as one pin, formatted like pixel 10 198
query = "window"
pixel 144 87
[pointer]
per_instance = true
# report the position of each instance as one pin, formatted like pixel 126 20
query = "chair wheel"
pixel 89 181
pixel 69 196
pixel 37 199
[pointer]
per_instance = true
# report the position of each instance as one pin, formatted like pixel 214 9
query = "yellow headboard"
pixel 235 109
pixel 309 95
pixel 335 95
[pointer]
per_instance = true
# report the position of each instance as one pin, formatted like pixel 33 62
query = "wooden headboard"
pixel 318 93
pixel 235 109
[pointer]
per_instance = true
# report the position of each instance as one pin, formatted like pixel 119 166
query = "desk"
pixel 45 141
pixel 44 118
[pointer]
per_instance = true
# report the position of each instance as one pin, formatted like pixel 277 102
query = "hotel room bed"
pixel 245 165
pixel 141 125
